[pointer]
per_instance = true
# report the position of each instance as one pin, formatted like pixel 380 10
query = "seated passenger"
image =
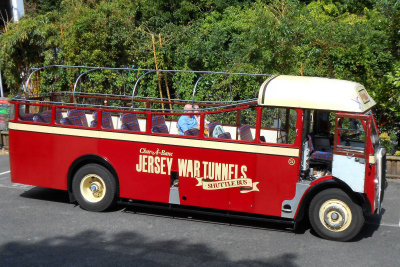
pixel 186 122
pixel 197 117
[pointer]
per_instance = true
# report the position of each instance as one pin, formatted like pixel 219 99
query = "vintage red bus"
pixel 306 147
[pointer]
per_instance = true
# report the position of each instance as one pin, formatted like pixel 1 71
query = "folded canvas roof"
pixel 315 93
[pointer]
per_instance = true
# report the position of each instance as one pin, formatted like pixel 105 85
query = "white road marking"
pixel 17 186
pixel 1 173
pixel 385 224
pixel 390 225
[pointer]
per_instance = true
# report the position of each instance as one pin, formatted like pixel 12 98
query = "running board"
pixel 202 211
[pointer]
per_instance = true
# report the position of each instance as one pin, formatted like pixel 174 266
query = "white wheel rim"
pixel 335 215
pixel 93 188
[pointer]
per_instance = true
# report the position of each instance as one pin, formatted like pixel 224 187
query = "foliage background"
pixel 344 39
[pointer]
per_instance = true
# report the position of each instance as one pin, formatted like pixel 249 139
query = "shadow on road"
pixel 371 226
pixel 91 248
pixel 46 194
pixel 61 196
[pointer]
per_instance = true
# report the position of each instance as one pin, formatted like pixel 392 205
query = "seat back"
pixel 45 116
pixel 26 116
pixel 245 133
pixel 77 114
pixel 192 132
pixel 225 135
pixel 106 120
pixel 211 127
pixel 315 155
pixel 158 124
pixel 322 143
pixel 72 120
pixel 130 122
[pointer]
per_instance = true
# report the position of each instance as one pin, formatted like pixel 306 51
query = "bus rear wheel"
pixel 94 187
pixel 334 216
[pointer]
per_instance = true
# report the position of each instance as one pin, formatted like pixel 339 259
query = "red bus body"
pixel 47 159
pixel 254 177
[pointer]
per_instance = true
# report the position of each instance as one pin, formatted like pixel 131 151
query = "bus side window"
pixel 158 124
pixel 247 127
pixel 221 125
pixel 27 112
pixel 278 125
pixel 351 134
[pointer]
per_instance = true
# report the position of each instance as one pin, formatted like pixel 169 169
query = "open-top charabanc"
pixel 306 147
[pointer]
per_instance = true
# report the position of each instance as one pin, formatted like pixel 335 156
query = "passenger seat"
pixel 130 122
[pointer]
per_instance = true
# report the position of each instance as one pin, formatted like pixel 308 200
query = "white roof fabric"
pixel 315 93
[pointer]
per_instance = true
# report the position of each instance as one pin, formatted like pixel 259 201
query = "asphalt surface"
pixel 39 227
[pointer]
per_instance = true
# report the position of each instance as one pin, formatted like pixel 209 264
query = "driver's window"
pixel 351 134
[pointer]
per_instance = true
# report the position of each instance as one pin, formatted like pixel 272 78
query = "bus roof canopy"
pixel 314 93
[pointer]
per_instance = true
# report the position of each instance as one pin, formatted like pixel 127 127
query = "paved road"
pixel 38 227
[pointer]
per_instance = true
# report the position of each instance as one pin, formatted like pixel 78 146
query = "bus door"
pixel 350 156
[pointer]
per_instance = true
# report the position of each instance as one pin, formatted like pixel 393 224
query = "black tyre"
pixel 94 187
pixel 334 216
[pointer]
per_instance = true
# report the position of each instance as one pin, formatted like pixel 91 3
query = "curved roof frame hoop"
pixel 152 71
pixel 46 67
pixel 70 66
pixel 86 72
pixel 77 80
pixel 137 82
pixel 195 85
pixel 26 87
pixel 172 73
pixel 207 74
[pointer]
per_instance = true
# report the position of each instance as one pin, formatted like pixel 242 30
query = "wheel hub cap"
pixel 93 188
pixel 335 215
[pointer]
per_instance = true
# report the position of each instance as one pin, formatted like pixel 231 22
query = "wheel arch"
pixel 327 184
pixel 84 160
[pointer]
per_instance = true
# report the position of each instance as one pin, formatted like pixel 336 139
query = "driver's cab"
pixel 339 135
pixel 337 144
pixel 318 137
pixel 352 147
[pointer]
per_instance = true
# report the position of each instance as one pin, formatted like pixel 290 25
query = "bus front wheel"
pixel 333 215
pixel 94 187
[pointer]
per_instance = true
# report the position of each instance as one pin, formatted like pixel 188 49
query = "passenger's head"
pixel 188 108
pixel 196 108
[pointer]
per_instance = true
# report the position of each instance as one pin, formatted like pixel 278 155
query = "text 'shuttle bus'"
pixel 306 147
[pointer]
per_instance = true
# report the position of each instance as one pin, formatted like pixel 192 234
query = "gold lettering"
pixel 190 168
pixel 162 166
pixel 217 171
pixel 150 164
pixel 244 170
pixel 139 165
pixel 211 171
pixel 144 163
pixel 205 163
pixel 225 171
pixel 231 166
pixel 182 164
pixel 157 163
pixel 236 171
pixel 169 164
pixel 196 168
